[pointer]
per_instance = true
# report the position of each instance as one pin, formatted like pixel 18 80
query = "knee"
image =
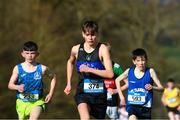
pixel 132 117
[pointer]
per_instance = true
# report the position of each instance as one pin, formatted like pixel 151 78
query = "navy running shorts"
pixel 139 111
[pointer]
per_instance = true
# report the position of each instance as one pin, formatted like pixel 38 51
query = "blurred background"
pixel 56 26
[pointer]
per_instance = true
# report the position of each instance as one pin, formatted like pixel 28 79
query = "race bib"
pixel 29 97
pixel 93 86
pixel 172 100
pixel 136 98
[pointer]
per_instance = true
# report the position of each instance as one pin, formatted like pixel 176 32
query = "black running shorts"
pixel 172 109
pixel 96 102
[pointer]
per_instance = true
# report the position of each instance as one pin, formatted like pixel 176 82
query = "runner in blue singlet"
pixel 140 86
pixel 27 80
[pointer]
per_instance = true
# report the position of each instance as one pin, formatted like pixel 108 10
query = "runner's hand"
pixel 48 98
pixel 84 68
pixel 111 91
pixel 148 87
pixel 21 88
pixel 67 90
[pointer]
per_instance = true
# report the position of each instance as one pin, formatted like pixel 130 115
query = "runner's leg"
pixel 132 117
pixel 83 109
pixel 171 115
pixel 177 117
pixel 35 113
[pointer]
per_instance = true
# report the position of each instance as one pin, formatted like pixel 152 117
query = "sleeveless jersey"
pixel 33 84
pixel 172 97
pixel 137 94
pixel 92 82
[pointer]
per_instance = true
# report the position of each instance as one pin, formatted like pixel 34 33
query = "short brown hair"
pixel 90 27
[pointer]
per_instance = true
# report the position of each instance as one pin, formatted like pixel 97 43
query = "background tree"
pixel 56 26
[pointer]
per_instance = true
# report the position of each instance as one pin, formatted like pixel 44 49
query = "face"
pixel 140 62
pixel 29 56
pixel 90 38
pixel 170 85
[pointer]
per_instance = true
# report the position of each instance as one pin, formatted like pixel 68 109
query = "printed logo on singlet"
pixel 116 65
pixel 132 81
pixel 88 57
pixel 93 86
pixel 95 65
pixel 81 49
pixel 37 75
pixel 23 75
pixel 92 66
pixel 137 96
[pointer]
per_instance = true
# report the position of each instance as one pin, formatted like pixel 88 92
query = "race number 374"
pixel 93 86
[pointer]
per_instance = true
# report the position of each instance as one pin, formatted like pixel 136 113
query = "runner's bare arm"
pixel 123 76
pixel 163 99
pixel 159 87
pixel 70 67
pixel 125 86
pixel 52 76
pixel 107 61
pixel 13 79
pixel 108 72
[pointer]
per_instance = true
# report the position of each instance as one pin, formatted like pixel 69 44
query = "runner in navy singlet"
pixel 93 64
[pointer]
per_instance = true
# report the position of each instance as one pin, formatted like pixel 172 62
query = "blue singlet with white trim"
pixel 137 94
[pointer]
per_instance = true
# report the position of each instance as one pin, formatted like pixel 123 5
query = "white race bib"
pixel 136 98
pixel 93 86
pixel 171 100
pixel 29 97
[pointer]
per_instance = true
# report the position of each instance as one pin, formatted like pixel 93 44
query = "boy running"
pixel 27 80
pixel 93 64
pixel 171 100
pixel 140 86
